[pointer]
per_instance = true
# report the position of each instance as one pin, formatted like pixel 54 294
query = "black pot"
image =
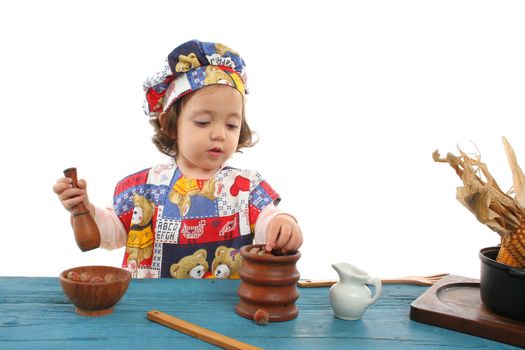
pixel 502 287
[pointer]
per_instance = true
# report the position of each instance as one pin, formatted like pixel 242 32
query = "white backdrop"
pixel 349 102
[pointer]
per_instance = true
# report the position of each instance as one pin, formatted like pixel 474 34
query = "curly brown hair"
pixel 168 145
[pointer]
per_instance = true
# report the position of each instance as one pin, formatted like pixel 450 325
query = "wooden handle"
pixel 85 228
pixel 80 209
pixel 72 174
pixel 198 332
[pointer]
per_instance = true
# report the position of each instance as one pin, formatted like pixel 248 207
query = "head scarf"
pixel 192 66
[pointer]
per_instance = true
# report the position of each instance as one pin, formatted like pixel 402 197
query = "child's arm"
pixel 278 230
pixel 113 235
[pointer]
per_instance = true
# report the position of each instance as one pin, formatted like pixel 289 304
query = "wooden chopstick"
pixel 415 280
pixel 201 333
pixel 315 284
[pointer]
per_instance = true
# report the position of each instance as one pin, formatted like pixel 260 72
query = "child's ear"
pixel 163 120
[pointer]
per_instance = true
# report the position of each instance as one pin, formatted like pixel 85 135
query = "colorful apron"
pixel 188 228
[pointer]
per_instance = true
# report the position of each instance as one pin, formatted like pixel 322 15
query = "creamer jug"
pixel 350 296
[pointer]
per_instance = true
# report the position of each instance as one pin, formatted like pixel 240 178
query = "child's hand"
pixel 70 196
pixel 283 234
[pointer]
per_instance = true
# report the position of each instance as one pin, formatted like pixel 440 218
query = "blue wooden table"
pixel 35 314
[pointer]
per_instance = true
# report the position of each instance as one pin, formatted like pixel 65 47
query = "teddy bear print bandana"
pixel 192 66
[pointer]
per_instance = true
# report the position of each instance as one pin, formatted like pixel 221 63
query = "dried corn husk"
pixel 484 198
pixel 518 178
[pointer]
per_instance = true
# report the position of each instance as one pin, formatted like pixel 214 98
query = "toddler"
pixel 188 218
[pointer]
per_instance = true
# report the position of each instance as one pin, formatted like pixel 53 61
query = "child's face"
pixel 208 130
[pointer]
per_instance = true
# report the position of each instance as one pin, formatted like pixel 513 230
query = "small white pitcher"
pixel 350 296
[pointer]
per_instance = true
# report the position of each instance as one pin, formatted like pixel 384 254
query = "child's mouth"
pixel 215 152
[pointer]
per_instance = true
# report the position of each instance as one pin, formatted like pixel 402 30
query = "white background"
pixel 349 102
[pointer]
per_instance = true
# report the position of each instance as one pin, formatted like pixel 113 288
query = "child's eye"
pixel 232 126
pixel 201 123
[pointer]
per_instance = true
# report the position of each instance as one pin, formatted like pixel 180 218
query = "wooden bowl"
pixel 95 298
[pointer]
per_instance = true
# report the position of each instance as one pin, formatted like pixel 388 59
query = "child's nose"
pixel 218 132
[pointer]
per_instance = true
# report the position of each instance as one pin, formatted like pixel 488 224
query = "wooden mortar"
pixel 268 282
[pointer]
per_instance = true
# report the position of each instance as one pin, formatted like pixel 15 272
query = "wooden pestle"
pixel 84 226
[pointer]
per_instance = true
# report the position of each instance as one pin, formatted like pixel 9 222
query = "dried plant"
pixel 498 210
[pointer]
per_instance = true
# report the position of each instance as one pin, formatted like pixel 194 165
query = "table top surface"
pixel 35 313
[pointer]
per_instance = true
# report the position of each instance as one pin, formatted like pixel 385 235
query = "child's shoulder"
pixel 132 180
pixel 229 171
pixel 162 173
pixel 248 180
pixel 150 175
